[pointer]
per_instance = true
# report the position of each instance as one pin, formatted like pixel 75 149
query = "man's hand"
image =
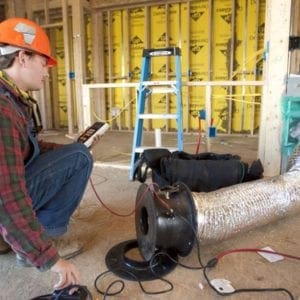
pixel 96 140
pixel 67 272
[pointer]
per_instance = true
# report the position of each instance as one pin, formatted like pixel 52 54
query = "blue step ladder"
pixel 148 87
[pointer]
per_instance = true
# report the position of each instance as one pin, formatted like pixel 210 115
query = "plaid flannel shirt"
pixel 18 223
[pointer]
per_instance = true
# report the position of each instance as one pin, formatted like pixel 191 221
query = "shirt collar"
pixel 9 81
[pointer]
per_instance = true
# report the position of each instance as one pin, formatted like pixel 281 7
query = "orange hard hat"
pixel 28 35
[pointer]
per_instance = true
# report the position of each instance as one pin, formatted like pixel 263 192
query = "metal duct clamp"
pixel 165 219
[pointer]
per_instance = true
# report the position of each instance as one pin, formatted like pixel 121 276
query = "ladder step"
pixel 163 90
pixel 162 51
pixel 142 149
pixel 157 116
pixel 159 83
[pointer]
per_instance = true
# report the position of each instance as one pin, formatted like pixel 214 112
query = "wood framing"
pixel 98 63
pixel 126 3
pixel 66 32
pixel 79 54
pixel 15 8
pixel 279 62
pixel 295 31
pixel 276 68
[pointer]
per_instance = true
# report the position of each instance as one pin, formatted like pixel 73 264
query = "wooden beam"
pixel 37 5
pixel 295 31
pixel 127 3
pixel 127 64
pixel 53 97
pixel 167 30
pixel 231 63
pixel 15 8
pixel 276 67
pixel 66 32
pixel 79 61
pixel 98 63
pixel 110 60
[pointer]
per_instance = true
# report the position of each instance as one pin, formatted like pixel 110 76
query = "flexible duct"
pixel 170 218
pixel 226 212
pixel 294 157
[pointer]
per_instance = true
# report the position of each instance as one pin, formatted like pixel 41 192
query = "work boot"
pixel 66 248
pixel 4 247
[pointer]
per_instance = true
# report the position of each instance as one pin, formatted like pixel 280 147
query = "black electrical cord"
pixel 176 261
pixel 107 293
pixel 110 286
pixel 250 290
pixel 213 262
pixel 210 264
pixel 197 244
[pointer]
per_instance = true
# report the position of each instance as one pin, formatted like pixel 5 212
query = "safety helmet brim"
pixel 28 35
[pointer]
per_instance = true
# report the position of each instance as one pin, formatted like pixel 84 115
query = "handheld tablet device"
pixel 88 135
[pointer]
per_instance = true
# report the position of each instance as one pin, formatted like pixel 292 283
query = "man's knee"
pixel 83 154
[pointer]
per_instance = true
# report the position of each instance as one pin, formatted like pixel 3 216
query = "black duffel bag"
pixel 202 172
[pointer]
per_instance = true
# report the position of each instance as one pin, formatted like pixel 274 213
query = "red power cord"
pixel 199 136
pixel 222 254
pixel 157 197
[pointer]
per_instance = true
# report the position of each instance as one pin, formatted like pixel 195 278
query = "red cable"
pixel 110 210
pixel 222 254
pixel 199 136
pixel 165 204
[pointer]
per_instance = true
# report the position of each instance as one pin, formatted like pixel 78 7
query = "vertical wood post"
pixel 276 67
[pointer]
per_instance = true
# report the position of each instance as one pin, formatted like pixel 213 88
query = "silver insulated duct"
pixel 174 217
pixel 226 212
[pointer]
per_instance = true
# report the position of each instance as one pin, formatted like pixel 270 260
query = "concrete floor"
pixel 100 230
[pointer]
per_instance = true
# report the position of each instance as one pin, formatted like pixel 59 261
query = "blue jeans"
pixel 56 181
